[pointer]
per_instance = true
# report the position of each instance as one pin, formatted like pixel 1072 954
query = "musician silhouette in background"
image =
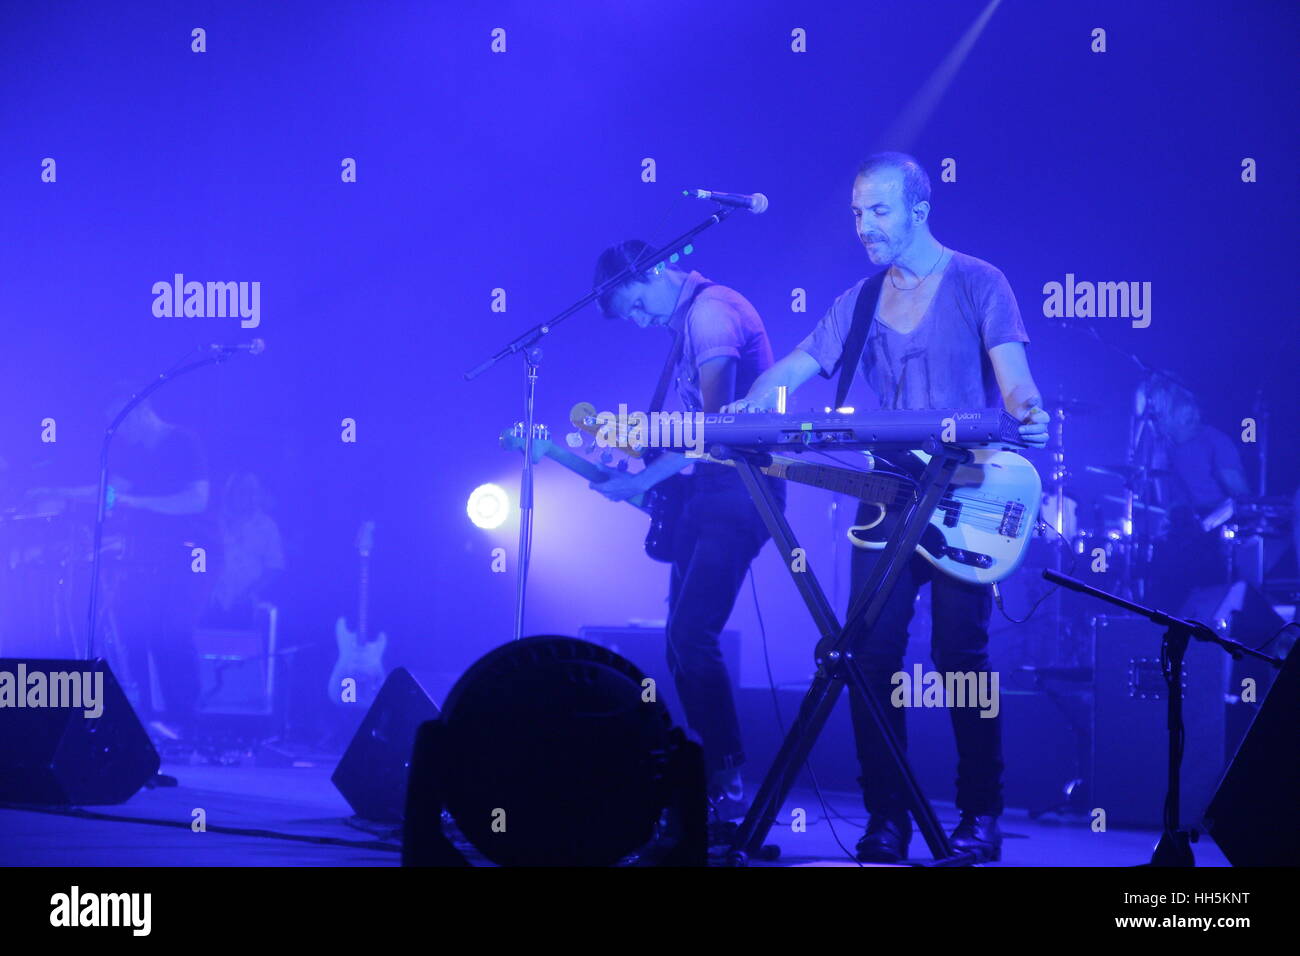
pixel 944 332
pixel 159 478
pixel 157 498
pixel 1202 468
pixel 719 347
pixel 252 554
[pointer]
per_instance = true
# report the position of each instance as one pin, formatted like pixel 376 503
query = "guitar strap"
pixel 666 376
pixel 670 365
pixel 675 353
pixel 864 312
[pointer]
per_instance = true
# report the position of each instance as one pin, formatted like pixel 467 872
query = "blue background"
pixel 479 170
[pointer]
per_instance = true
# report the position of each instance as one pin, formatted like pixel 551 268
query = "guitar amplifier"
pixel 237 666
pixel 1130 744
pixel 647 648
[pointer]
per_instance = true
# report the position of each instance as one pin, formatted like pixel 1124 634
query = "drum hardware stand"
pixel 1059 474
pixel 835 657
pixel 1141 485
pixel 1175 846
pixel 1065 662
pixel 1075 790
pixel 1138 530
pixel 1137 553
pixel 1261 440
pixel 528 344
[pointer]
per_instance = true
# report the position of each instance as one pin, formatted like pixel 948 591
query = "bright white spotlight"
pixel 488 505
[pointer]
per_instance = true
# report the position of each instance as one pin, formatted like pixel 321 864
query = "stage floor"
pixel 293 816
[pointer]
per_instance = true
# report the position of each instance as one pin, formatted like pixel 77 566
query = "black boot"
pixel 886 839
pixel 980 835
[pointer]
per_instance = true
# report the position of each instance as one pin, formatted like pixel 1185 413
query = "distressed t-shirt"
pixel 720 321
pixel 943 362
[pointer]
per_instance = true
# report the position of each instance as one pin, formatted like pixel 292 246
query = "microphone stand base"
pixel 1174 849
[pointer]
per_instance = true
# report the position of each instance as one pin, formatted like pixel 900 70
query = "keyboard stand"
pixel 836 664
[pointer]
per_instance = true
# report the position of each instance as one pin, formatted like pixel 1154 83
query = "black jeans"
pixel 958 643
pixel 718 535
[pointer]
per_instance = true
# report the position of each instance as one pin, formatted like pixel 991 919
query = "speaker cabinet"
pixel 1243 613
pixel 372 773
pixel 57 755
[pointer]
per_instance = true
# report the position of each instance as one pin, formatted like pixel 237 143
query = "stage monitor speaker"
pixel 1130 745
pixel 1252 815
pixel 372 773
pixel 59 756
pixel 1242 613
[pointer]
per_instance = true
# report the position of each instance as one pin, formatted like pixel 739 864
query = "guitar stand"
pixel 836 663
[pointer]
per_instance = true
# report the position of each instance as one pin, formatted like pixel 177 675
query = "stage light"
pixel 551 751
pixel 488 506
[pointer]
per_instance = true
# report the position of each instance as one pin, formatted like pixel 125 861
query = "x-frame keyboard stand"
pixel 836 663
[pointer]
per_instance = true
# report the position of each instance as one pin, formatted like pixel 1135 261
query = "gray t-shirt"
pixel 943 362
pixel 719 322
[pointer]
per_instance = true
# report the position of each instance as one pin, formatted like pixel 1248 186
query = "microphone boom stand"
pixel 1174 848
pixel 528 344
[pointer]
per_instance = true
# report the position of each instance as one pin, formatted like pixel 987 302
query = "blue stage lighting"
pixel 488 506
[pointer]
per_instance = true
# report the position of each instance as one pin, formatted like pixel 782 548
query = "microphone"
pixel 756 203
pixel 255 347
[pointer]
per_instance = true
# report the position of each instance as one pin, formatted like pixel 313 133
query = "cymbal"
pixel 1266 501
pixel 13 515
pixel 1129 472
pixel 1137 505
pixel 1075 406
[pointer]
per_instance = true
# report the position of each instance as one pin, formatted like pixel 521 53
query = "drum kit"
pixel 38 551
pixel 46 548
pixel 1110 544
